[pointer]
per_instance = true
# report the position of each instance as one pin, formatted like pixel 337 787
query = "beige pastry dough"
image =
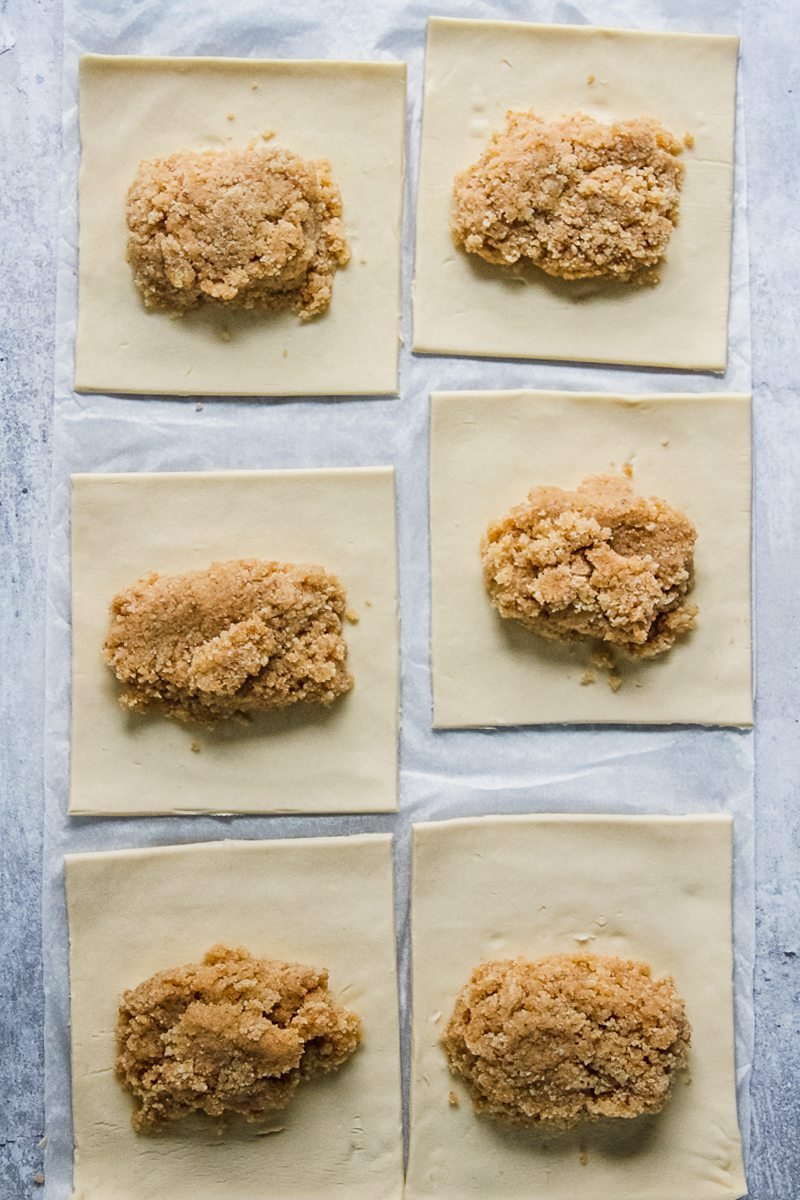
pixel 326 900
pixel 651 888
pixel 138 108
pixel 305 759
pixel 477 70
pixel 487 450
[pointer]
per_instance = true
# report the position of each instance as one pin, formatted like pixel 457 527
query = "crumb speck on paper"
pixel 352 616
pixel 688 141
pixel 603 659
pixel 665 441
pixel 231 116
pixel 588 678
pixel 627 468
pixel 225 335
pixel 268 134
pixel 436 1017
pixel 195 746
pixel 452 1100
pixel 583 1157
pixel 285 353
pixel 590 79
pixel 574 197
pixel 363 262
pixel 615 681
pixel 198 407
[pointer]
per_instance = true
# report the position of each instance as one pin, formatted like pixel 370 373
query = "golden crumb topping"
pixel 599 562
pixel 567 1039
pixel 233 1035
pixel 575 197
pixel 229 640
pixel 243 228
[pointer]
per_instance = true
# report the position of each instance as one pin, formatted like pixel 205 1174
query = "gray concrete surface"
pixel 30 88
pixel 30 139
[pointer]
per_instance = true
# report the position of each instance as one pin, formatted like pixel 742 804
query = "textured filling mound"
pixel 233 1035
pixel 229 640
pixel 253 228
pixel 567 1039
pixel 599 562
pixel 579 199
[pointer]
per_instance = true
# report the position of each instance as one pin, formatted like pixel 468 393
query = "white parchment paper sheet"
pixel 444 774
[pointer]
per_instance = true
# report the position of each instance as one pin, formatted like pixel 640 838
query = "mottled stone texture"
pixel 771 71
pixel 30 99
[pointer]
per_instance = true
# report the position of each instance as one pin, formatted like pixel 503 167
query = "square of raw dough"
pixel 327 902
pixel 488 449
pixel 475 71
pixel 307 758
pixel 140 108
pixel 656 889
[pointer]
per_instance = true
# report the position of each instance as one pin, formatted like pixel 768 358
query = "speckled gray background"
pixel 30 108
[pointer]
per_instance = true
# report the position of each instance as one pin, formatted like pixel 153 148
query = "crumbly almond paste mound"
pixel 579 199
pixel 233 1035
pixel 567 1039
pixel 599 562
pixel 252 228
pixel 229 640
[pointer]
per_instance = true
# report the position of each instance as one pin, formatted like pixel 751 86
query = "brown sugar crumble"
pixel 252 228
pixel 231 1036
pixel 567 1039
pixel 577 198
pixel 235 638
pixel 599 562
pixel 603 659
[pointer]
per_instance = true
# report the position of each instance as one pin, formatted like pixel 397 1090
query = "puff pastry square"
pixel 324 901
pixel 137 108
pixel 304 759
pixel 651 888
pixel 488 449
pixel 477 70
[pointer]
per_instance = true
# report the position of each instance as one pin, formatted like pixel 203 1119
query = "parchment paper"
pixel 607 770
